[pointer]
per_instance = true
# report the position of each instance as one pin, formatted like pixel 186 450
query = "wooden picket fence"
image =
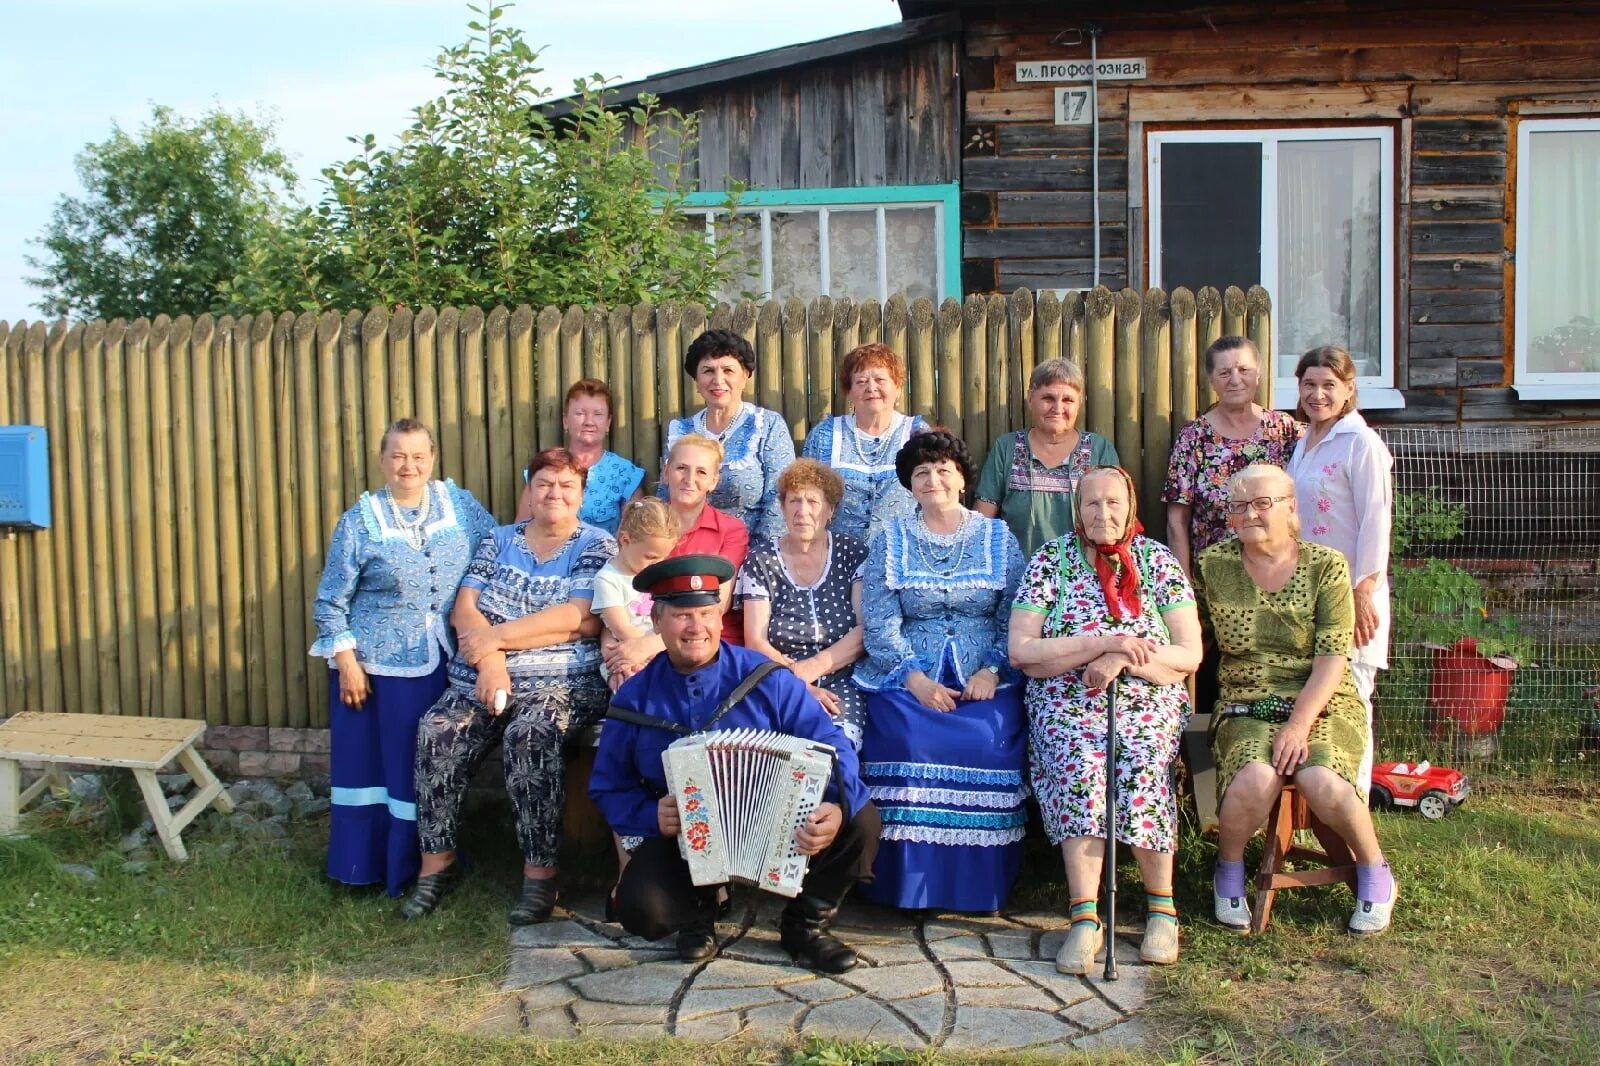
pixel 198 465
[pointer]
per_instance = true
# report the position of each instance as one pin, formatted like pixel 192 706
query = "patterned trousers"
pixel 456 734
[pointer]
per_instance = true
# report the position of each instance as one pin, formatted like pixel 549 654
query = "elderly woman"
pixel 755 442
pixel 1343 483
pixel 528 673
pixel 1105 602
pixel 381 609
pixel 1031 474
pixel 1279 609
pixel 1234 433
pixel 611 481
pixel 943 747
pixel 802 594
pixel 690 475
pixel 861 446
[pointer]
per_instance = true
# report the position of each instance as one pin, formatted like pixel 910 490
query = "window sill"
pixel 1578 390
pixel 1287 397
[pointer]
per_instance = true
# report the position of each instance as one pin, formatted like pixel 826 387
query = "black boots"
pixel 803 931
pixel 697 941
pixel 537 901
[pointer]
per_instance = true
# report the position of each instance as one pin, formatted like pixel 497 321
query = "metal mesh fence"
pixel 1496 553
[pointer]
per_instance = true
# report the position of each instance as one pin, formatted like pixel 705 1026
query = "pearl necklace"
pixel 938 558
pixel 877 450
pixel 705 423
pixel 411 530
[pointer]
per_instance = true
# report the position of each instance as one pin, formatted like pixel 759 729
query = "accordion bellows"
pixel 741 795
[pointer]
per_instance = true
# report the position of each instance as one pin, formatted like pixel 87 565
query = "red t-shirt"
pixel 718 533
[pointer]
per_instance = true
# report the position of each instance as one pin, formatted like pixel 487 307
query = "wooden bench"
pixel 143 745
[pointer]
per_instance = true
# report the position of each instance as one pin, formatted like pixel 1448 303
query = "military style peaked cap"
pixel 685 580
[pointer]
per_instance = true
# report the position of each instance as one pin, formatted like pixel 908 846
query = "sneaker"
pixel 1160 944
pixel 1233 913
pixel 1370 919
pixel 1082 944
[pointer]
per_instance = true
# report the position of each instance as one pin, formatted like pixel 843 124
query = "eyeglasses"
pixel 1260 504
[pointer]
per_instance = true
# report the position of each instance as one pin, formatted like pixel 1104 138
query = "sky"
pixel 324 70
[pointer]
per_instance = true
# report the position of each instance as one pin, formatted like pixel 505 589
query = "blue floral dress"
pixel 872 492
pixel 948 785
pixel 386 592
pixel 756 448
pixel 608 485
pixel 1067 719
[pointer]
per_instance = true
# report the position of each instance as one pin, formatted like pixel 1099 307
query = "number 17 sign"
pixel 1072 106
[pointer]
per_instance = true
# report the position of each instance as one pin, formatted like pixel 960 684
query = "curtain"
pixel 1563 266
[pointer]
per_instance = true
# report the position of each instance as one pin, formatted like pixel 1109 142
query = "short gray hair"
pixel 1282 485
pixel 1056 372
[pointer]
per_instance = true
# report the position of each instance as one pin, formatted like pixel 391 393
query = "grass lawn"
pixel 247 955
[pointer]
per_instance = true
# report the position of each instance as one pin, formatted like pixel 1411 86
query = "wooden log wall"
pixel 198 466
pixel 1453 82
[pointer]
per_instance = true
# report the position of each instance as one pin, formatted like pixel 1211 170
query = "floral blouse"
pixel 387 598
pixel 1203 461
pixel 872 491
pixel 606 487
pixel 938 602
pixel 513 583
pixel 756 446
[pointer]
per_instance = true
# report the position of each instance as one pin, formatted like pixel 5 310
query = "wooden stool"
pixel 143 745
pixel 1290 814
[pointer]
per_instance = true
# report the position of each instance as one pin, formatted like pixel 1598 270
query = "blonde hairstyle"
pixel 650 517
pixel 1282 485
pixel 809 474
pixel 699 440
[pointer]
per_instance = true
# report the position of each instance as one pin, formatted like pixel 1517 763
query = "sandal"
pixel 428 891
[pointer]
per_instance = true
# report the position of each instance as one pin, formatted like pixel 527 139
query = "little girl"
pixel 647 534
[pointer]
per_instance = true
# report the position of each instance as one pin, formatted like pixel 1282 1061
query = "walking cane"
pixel 1109 866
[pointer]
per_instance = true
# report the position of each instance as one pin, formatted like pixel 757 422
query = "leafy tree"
pixel 487 199
pixel 165 217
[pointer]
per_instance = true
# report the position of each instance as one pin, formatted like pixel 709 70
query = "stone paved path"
pixel 948 982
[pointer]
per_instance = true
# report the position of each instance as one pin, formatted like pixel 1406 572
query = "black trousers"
pixel 656 898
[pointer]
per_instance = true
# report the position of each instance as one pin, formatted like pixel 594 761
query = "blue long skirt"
pixel 372 835
pixel 950 790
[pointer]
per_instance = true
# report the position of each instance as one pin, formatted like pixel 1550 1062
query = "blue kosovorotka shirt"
pixel 388 599
pixel 628 779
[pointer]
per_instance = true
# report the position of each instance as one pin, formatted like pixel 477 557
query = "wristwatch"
pixel 995 670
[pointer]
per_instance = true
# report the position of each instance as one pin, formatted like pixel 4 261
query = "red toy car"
pixel 1432 790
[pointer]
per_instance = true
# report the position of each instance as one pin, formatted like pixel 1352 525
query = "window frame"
pixel 945 200
pixel 1376 391
pixel 1529 384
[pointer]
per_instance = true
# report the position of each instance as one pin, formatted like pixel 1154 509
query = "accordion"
pixel 741 795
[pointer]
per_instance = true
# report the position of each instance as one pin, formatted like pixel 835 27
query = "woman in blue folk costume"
pixel 861 446
pixel 945 739
pixel 382 616
pixel 756 444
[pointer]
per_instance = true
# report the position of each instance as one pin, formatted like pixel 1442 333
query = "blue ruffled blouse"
pixel 872 491
pixel 388 599
pixel 939 603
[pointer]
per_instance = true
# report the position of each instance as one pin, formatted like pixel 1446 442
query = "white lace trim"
pixel 927 834
pixel 954 797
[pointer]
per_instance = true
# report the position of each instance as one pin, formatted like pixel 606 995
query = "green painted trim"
pixel 948 196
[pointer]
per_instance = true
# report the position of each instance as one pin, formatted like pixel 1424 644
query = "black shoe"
pixel 803 931
pixel 697 943
pixel 428 891
pixel 538 899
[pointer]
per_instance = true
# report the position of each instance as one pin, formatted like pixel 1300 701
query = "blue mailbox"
pixel 24 477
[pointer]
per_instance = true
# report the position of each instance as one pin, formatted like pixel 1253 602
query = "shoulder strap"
pixel 648 721
pixel 740 691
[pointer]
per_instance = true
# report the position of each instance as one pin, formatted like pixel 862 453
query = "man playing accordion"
pixel 680 692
